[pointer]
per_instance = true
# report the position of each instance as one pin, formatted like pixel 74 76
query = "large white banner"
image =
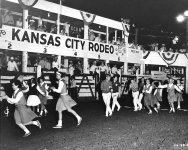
pixel 18 39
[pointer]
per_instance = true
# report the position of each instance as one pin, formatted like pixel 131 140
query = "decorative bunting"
pixel 145 54
pixel 87 17
pixel 168 57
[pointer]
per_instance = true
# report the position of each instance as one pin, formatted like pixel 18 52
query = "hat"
pixel 12 58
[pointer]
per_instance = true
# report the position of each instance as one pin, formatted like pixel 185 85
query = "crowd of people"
pixel 28 96
pixel 103 69
pixel 145 94
pixel 40 25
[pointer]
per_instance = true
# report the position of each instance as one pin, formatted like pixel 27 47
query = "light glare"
pixel 180 18
pixel 186 13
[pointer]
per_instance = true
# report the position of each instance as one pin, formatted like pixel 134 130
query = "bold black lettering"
pixel 15 34
pixel 90 46
pixel 57 40
pixel 101 48
pixel 82 44
pixel 43 39
pixel 76 41
pixel 34 37
pixel 106 48
pixel 25 37
pixel 111 49
pixel 66 43
pixel 50 41
pixel 96 47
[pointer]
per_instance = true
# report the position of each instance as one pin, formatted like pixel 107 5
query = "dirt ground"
pixel 124 130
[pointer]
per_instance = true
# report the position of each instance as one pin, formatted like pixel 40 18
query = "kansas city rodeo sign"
pixel 46 39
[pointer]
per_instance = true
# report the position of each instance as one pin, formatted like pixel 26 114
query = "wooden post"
pixel 24 53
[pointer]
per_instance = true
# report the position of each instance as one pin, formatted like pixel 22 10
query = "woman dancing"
pixel 65 102
pixel 179 94
pixel 33 100
pixel 23 115
pixel 171 93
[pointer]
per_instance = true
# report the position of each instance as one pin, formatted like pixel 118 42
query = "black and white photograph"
pixel 94 74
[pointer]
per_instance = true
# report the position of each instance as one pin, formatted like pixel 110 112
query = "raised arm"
pixel 149 90
pixel 15 100
pixel 163 86
pixel 26 86
pixel 60 86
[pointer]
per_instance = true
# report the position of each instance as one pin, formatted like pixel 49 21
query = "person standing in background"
pixel 12 66
pixel 55 64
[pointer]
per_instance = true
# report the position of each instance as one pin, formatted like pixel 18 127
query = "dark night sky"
pixel 144 13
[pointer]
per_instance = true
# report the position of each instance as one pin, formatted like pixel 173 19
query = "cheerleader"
pixel 23 115
pixel 42 89
pixel 24 85
pixel 149 99
pixel 158 94
pixel 33 100
pixel 116 87
pixel 73 88
pixel 179 94
pixel 65 102
pixel 171 93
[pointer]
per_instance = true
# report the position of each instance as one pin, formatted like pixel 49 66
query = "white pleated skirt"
pixel 33 100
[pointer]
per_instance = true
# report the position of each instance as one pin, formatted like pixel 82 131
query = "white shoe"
pixel 150 112
pixel 57 127
pixel 79 121
pixel 38 124
pixel 119 108
pixel 156 110
pixel 170 110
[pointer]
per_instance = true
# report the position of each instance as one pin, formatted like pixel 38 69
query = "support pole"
pixel 24 53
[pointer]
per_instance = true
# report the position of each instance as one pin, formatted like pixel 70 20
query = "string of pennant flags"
pixel 168 57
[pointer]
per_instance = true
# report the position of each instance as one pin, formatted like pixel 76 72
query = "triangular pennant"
pixel 126 29
pixel 87 17
pixel 145 54
pixel 168 57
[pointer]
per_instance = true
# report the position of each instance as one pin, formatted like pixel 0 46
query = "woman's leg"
pixel 23 127
pixel 178 104
pixel 115 102
pixel 108 109
pixel 59 124
pixel 139 100
pixel 79 119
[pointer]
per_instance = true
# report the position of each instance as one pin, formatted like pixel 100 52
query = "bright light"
pixel 186 13
pixel 180 18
